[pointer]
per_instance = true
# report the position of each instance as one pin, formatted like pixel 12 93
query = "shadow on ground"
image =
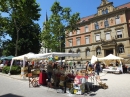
pixel 104 79
pixel 10 95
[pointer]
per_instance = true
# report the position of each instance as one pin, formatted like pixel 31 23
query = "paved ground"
pixel 10 86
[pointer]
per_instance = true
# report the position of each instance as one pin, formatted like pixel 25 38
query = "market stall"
pixel 113 63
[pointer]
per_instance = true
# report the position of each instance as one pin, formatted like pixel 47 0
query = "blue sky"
pixel 84 7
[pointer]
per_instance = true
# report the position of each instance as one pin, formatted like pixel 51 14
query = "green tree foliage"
pixel 28 40
pixel 19 23
pixel 61 20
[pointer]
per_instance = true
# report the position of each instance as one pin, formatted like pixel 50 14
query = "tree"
pixel 61 20
pixel 20 13
pixel 28 40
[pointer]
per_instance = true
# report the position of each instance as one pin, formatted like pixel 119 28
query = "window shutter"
pixel 78 31
pixel 78 41
pixel 108 36
pixel 118 20
pixel 87 40
pixel 88 52
pixel 70 34
pixel 86 29
pixel 119 32
pixel 70 42
pixel 97 37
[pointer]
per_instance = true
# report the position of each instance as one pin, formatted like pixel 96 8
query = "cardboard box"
pixel 79 86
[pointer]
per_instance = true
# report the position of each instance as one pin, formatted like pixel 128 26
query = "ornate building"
pixel 106 32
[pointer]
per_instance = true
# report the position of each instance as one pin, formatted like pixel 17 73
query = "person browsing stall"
pixel 49 72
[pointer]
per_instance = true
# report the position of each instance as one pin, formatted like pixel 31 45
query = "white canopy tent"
pixel 112 57
pixel 32 56
pixel 22 57
pixel 93 59
pixel 38 56
pixel 62 54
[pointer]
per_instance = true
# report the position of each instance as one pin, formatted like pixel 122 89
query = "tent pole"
pixel 10 66
pixel 121 66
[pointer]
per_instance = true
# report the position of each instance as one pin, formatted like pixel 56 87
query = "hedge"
pixel 14 70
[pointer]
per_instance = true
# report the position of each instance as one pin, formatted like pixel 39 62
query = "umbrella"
pixel 9 57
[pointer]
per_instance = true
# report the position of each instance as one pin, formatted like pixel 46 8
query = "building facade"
pixel 106 32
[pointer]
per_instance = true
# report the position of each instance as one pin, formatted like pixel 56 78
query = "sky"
pixel 84 7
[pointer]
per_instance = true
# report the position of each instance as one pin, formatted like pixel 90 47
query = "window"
pixel 87 52
pixel 70 34
pixel 106 24
pixel 87 39
pixel 106 11
pixel 108 36
pixel 98 51
pixel 78 51
pixel 78 31
pixel 97 37
pixel 78 41
pixel 96 26
pixel 70 51
pixel 103 12
pixel 118 20
pixel 119 34
pixel 120 49
pixel 86 29
pixel 70 42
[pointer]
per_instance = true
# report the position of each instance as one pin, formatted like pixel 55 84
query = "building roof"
pixel 120 7
pixel 124 5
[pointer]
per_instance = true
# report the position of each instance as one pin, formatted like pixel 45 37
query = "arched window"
pixel 106 24
pixel 98 51
pixel 70 51
pixel 121 49
pixel 96 26
pixel 106 11
pixel 78 51
pixel 103 12
pixel 87 52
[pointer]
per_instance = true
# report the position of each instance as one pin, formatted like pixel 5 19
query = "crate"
pixel 69 85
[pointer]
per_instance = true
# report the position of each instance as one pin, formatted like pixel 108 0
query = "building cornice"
pixel 99 42
pixel 77 35
pixel 106 15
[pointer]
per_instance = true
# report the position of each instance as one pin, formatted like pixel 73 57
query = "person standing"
pixel 86 65
pixel 97 69
pixel 49 72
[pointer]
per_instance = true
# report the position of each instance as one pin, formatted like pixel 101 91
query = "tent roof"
pixel 25 56
pixel 110 57
pixel 62 54
pixel 93 59
pixel 7 57
pixel 32 56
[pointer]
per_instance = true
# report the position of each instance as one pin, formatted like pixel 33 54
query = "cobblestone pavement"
pixel 13 86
